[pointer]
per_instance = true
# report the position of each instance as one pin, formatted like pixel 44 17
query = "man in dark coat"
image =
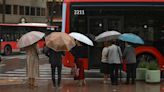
pixel 55 59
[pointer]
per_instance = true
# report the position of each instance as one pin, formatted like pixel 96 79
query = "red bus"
pixel 10 33
pixel 142 17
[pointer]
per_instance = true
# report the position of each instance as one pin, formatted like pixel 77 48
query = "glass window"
pixel 42 11
pixel 8 9
pixel 1 8
pixel 27 10
pixel 33 11
pixel 38 11
pixel 21 10
pixel 15 9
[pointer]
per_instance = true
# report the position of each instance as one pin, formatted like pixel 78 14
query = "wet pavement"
pixel 13 79
pixel 93 85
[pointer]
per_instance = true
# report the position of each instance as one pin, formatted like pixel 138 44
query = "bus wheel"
pixel 145 57
pixel 7 50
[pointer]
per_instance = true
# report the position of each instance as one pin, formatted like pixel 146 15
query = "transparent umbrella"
pixel 30 38
pixel 108 35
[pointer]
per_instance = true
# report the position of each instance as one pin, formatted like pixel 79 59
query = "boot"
pixel 84 82
pixel 29 81
pixel 34 84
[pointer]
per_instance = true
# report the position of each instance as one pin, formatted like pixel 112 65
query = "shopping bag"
pixel 68 60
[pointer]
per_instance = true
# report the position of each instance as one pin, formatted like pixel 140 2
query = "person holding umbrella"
pixel 57 43
pixel 114 60
pixel 80 51
pixel 129 55
pixel 104 62
pixel 29 42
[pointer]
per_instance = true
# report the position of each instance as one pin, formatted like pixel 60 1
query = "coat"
pixel 32 61
pixel 55 58
pixel 129 55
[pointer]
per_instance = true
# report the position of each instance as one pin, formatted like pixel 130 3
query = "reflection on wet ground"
pixel 93 85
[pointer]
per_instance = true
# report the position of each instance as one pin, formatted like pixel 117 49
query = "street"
pixel 13 79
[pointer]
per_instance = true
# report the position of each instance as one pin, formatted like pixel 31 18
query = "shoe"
pixel 105 82
pixel 133 82
pixel 54 84
pixel 127 83
pixel 84 82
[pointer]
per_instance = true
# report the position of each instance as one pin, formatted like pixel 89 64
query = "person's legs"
pixel 133 73
pixel 30 81
pixel 53 75
pixel 111 69
pixel 128 73
pixel 59 68
pixel 116 66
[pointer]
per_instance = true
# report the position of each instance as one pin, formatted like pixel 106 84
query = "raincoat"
pixel 32 61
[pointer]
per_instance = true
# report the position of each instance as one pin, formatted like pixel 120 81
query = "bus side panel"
pixel 153 51
pixel 12 44
pixel 67 29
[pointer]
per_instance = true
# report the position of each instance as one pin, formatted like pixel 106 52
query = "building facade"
pixel 54 12
pixel 16 11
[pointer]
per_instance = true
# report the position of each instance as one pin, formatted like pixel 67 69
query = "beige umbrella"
pixel 60 41
pixel 30 38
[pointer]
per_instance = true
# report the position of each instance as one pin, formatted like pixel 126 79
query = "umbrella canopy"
pixel 60 41
pixel 108 35
pixel 82 38
pixel 30 38
pixel 129 37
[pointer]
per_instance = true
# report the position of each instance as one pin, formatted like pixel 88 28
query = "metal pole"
pixel 52 12
pixel 4 11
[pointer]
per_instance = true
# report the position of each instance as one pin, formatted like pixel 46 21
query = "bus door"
pixel 97 25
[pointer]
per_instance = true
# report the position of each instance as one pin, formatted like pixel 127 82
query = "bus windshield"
pixel 142 19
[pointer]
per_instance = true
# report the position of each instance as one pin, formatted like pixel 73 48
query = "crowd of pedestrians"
pixel 111 61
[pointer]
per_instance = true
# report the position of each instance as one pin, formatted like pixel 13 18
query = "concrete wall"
pixel 11 18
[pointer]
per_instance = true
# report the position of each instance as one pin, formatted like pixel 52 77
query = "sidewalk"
pixel 93 85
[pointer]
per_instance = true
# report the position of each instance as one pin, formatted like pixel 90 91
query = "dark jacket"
pixel 79 52
pixel 55 58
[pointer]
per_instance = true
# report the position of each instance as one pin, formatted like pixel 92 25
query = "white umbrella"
pixel 108 35
pixel 82 38
pixel 30 38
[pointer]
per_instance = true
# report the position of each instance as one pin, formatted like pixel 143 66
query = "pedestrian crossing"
pixel 44 73
pixel 20 57
pixel 44 70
